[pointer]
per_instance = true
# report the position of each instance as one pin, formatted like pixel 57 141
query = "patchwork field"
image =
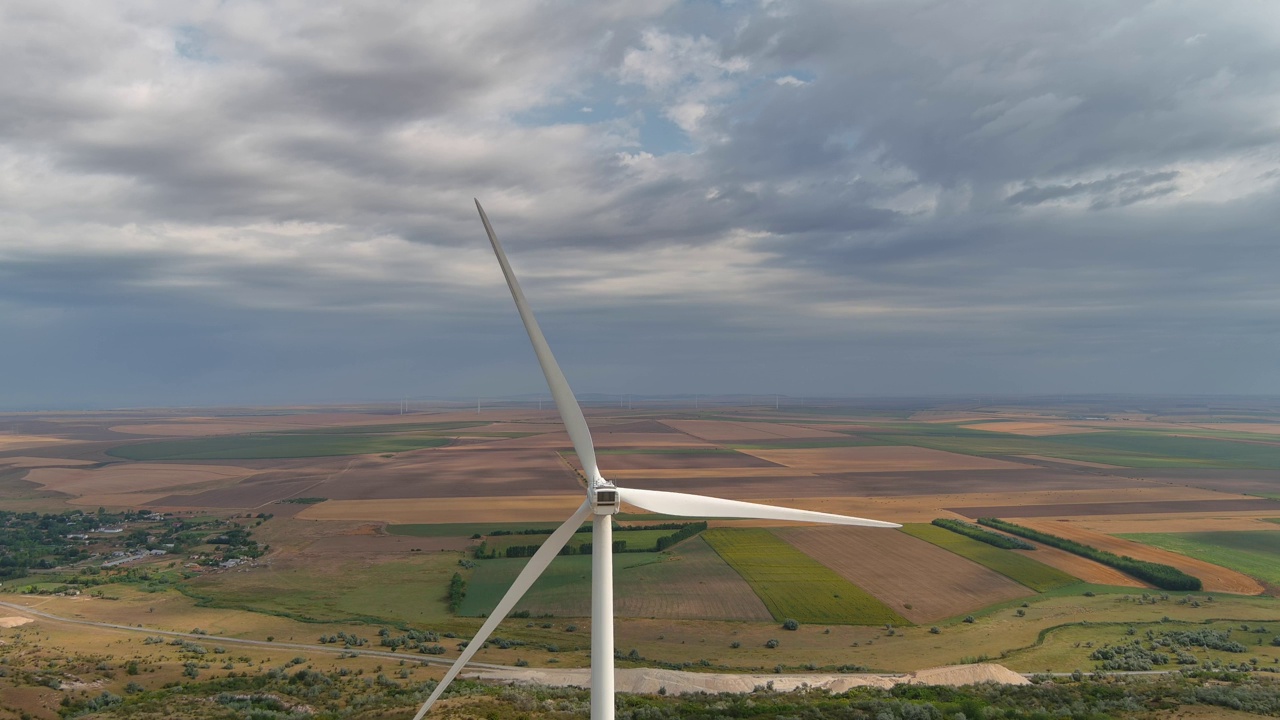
pixel 729 431
pixel 126 478
pixel 1214 577
pixel 921 581
pixel 890 458
pixel 1017 567
pixel 794 585
pixel 1249 505
pixel 241 447
pixel 691 581
pixel 1032 429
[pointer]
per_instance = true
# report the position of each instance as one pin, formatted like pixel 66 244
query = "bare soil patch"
pixel 879 459
pixel 1252 505
pixel 1214 577
pixel 14 621
pixel 728 431
pixel 134 477
pixel 901 571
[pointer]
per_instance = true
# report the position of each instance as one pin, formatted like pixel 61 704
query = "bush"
pixel 935 630
pixel 771 644
pixel 790 624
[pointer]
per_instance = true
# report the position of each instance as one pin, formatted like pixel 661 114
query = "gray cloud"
pixel 262 202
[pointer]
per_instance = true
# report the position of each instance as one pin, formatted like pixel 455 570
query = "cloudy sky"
pixel 270 202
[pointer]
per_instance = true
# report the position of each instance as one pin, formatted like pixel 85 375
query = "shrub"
pixel 771 644
pixel 790 624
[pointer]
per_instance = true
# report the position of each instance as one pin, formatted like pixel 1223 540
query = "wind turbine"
pixel 600 505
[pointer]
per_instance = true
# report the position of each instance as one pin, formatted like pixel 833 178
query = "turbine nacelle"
pixel 604 498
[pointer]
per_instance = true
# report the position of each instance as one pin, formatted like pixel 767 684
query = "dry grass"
pixel 888 458
pixel 534 508
pixel 1030 429
pixel 18 442
pixel 901 571
pixel 122 478
pixel 1214 577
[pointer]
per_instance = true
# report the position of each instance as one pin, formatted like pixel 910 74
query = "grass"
pixel 564 588
pixel 1019 568
pixel 794 585
pixel 262 446
pixel 401 591
pixel 636 539
pixel 1253 552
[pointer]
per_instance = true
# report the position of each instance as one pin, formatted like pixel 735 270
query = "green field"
pixel 794 585
pixel 276 445
pixel 635 539
pixel 1019 568
pixel 1253 552
pixel 400 591
pixel 564 589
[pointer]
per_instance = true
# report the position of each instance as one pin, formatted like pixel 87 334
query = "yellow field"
pixel 124 478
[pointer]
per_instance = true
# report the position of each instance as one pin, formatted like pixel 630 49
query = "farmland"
pixel 794 585
pixel 397 519
pixel 1254 553
pixel 1019 568
pixel 248 447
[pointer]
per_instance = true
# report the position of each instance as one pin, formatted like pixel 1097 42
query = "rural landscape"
pixel 307 562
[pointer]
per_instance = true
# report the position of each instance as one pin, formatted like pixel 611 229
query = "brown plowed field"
pixel 729 431
pixel 888 458
pixel 560 441
pixel 901 570
pixel 1214 577
pixel 34 462
pixel 1255 505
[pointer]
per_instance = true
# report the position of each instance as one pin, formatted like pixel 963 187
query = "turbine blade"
pixel 539 562
pixel 566 403
pixel 683 504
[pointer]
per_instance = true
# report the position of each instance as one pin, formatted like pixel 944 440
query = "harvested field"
pixel 729 431
pixel 1215 577
pixel 880 458
pixel 1128 524
pixel 18 442
pixel 245 495
pixel 530 508
pixel 901 571
pixel 794 585
pixel 1247 482
pixel 1254 505
pixel 21 461
pixel 1030 429
pixel 938 482
pixel 203 426
pixel 449 473
pixel 130 478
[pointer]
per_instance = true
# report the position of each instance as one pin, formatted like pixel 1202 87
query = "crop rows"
pixel 1019 568
pixel 794 585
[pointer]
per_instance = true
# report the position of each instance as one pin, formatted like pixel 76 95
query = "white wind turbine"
pixel 601 504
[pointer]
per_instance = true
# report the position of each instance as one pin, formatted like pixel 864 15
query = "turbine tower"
pixel 601 503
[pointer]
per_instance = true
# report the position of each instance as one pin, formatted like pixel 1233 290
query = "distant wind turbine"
pixel 600 505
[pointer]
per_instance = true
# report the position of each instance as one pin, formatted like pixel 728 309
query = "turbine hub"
pixel 604 498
